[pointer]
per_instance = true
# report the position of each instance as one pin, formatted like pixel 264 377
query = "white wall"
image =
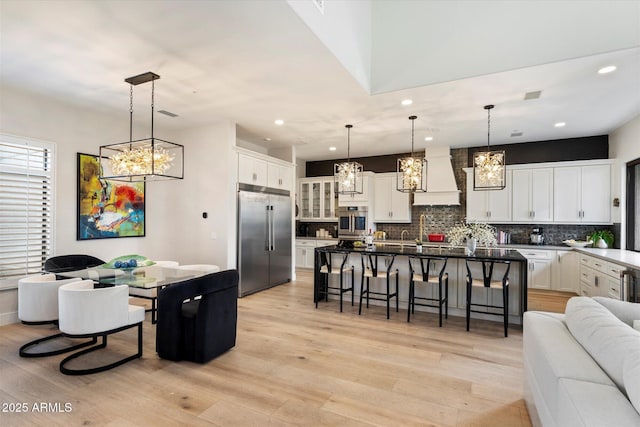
pixel 624 146
pixel 175 228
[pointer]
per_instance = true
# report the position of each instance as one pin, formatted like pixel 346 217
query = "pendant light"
pixel 348 175
pixel 489 172
pixel 412 171
pixel 149 159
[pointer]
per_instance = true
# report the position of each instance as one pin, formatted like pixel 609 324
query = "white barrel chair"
pixel 38 305
pixel 151 293
pixel 88 312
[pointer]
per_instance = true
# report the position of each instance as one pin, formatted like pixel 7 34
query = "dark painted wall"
pixel 559 150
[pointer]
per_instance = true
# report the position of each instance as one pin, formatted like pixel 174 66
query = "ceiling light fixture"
pixel 407 102
pixel 279 122
pixel 332 148
pixel 489 171
pixel 348 175
pixel 149 159
pixel 412 171
pixel 560 124
pixel 428 138
pixel 607 69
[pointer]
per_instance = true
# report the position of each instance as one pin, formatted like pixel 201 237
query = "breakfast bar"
pixel 456 270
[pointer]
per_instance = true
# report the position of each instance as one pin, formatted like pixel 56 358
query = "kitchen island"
pixel 456 268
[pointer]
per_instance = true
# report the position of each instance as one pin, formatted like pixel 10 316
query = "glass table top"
pixel 145 277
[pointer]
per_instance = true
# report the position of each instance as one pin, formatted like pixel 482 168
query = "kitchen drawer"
pixel 537 254
pixel 306 242
pixel 614 270
pixel 588 275
pixel 595 263
pixel 586 289
pixel 321 243
pixel 612 287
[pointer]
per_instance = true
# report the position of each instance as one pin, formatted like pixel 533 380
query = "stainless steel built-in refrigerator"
pixel 264 238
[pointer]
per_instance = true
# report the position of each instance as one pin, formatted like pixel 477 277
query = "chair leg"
pixel 411 285
pixel 505 299
pixel 69 371
pixel 468 304
pixel 361 294
pixel 24 353
pixel 353 286
pixel 388 296
pixel 440 302
pixel 341 288
pixel 397 300
pixel 368 292
pixel 154 309
pixel 446 298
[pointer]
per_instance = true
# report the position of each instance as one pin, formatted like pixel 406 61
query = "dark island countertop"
pixel 443 251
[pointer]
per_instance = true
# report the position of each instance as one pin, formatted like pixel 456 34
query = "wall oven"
pixel 352 221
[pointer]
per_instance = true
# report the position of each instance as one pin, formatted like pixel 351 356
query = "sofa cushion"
pixel 605 337
pixel 550 353
pixel 628 312
pixel 582 403
pixel 631 373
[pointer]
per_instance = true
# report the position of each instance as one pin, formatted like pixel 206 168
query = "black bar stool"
pixel 488 283
pixel 370 270
pixel 424 269
pixel 335 262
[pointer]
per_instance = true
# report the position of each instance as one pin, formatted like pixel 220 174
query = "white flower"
pixel 484 234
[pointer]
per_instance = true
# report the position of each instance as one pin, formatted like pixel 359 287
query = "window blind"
pixel 26 205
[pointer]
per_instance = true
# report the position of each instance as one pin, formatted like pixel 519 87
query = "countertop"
pixel 629 259
pixel 443 251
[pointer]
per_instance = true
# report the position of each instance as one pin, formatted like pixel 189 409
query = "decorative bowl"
pixel 436 237
pixel 577 243
pixel 128 262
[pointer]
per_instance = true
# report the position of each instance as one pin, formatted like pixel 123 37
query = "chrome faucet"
pixel 402 238
pixel 422 218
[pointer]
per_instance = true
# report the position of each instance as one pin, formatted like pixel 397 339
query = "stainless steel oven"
pixel 352 221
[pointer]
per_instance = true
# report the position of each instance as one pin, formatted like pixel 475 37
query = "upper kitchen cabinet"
pixel 317 198
pixel 264 171
pixel 582 194
pixel 390 205
pixel 252 170
pixel 364 199
pixel 488 205
pixel 532 194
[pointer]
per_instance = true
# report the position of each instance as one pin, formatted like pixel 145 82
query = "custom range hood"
pixel 441 182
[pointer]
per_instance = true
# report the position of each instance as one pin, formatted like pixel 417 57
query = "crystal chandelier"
pixel 489 172
pixel 412 171
pixel 147 159
pixel 348 175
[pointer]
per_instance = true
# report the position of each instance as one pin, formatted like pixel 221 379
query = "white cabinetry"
pixel 566 272
pixel 599 278
pixel 364 199
pixel 317 199
pixel 581 194
pixel 539 267
pixel 305 250
pixel 390 204
pixel 488 205
pixel 263 172
pixel 532 195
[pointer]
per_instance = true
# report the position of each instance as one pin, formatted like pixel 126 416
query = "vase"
pixel 471 244
pixel 600 243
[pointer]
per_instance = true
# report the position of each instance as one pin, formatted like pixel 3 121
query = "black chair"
pixel 335 263
pixel 370 270
pixel 62 263
pixel 424 269
pixel 488 283
pixel 198 329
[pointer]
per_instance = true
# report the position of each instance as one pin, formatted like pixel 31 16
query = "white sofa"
pixel 582 368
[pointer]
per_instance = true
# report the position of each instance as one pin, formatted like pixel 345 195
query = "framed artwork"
pixel 107 208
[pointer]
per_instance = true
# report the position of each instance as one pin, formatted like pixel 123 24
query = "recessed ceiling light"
pixel 279 122
pixel 407 102
pixel 607 69
pixel 332 148
pixel 428 138
pixel 267 139
pixel 560 124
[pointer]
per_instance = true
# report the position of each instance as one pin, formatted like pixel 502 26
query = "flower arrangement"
pixel 484 234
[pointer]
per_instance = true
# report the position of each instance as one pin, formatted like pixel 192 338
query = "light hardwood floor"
pixel 293 364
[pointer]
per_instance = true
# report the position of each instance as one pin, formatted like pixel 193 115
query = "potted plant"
pixel 601 239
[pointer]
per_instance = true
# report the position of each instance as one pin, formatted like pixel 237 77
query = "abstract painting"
pixel 107 208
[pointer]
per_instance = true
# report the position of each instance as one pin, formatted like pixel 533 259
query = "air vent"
pixel 167 113
pixel 532 95
pixel 515 133
pixel 320 5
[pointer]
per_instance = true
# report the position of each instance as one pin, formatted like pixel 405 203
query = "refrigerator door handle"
pixel 351 223
pixel 267 242
pixel 272 240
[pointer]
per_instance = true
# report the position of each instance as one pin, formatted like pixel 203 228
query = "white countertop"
pixel 629 259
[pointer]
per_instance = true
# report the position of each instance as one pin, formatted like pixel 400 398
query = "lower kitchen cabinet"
pixel 600 278
pixel 304 253
pixel 539 267
pixel 566 272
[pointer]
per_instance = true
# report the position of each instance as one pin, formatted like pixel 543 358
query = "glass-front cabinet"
pixel 318 199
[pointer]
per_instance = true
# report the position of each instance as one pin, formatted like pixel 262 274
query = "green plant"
pixel 605 235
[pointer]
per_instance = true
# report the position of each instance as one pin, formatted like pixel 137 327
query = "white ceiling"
pixel 254 61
